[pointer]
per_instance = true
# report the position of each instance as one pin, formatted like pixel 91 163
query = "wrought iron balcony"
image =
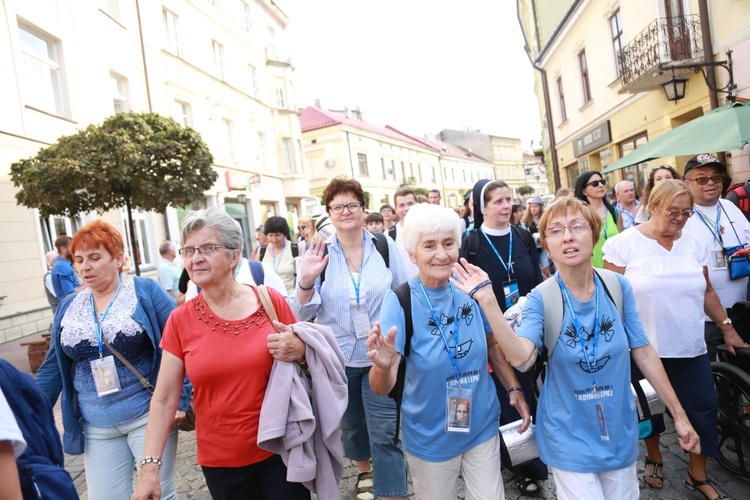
pixel 664 40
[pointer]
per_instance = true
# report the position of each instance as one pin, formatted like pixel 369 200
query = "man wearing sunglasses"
pixel 717 224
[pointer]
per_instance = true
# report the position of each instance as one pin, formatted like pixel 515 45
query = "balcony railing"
pixel 668 39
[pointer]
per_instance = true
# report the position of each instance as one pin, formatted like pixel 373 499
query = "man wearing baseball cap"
pixel 717 224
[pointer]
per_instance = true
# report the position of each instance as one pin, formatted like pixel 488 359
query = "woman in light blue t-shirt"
pixel 586 420
pixel 450 412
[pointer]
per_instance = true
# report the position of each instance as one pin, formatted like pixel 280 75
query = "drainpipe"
pixel 708 51
pixel 349 148
pixel 545 94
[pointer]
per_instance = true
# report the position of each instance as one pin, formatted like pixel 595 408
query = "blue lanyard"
pixel 715 231
pixel 439 325
pixel 97 323
pixel 273 257
pixel 359 275
pixel 509 266
pixel 606 221
pixel 591 360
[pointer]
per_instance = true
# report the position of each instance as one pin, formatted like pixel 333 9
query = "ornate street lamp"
pixel 674 88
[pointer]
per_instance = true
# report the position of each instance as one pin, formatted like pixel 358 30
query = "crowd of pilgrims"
pixel 382 337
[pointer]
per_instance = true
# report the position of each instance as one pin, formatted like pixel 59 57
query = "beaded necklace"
pixel 234 327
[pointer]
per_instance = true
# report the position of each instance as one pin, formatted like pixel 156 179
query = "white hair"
pixel 622 184
pixel 424 218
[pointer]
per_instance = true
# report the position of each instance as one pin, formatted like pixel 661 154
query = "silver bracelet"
pixel 150 460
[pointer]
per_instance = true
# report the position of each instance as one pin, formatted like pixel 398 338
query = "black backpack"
pixel 403 292
pixel 392 232
pixel 738 194
pixel 473 241
pixel 262 252
pixel 381 244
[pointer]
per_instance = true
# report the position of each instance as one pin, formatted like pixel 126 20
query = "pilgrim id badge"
pixel 458 410
pixel 510 289
pixel 603 434
pixel 362 325
pixel 105 375
pixel 718 259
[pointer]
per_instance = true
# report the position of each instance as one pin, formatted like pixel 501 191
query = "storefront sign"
pixel 236 180
pixel 593 139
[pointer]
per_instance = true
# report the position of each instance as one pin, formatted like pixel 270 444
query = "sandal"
pixel 656 477
pixel 363 488
pixel 694 484
pixel 527 485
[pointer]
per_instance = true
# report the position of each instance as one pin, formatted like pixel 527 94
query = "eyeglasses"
pixel 339 209
pixel 687 213
pixel 702 181
pixel 596 183
pixel 577 228
pixel 207 249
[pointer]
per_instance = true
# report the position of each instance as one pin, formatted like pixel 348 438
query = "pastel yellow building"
pixel 384 158
pixel 599 83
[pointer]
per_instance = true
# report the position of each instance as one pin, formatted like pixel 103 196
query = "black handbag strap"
pixel 143 380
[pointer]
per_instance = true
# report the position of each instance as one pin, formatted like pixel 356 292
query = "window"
pixel 248 16
pixel 279 91
pixel 393 170
pixel 419 172
pixel 584 76
pixel 271 43
pixel 182 113
pixel 286 144
pixel 228 133
pixel 403 172
pixel 172 32
pixel 362 161
pixel 119 93
pixel 55 226
pixel 219 58
pixel 434 180
pixel 496 152
pixel 615 24
pixel 43 71
pixel 382 167
pixel 262 148
pixel 561 95
pixel 144 240
pixel 637 174
pixel 253 80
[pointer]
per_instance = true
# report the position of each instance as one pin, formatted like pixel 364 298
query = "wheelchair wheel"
pixel 733 388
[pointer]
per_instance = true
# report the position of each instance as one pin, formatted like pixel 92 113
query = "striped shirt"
pixel 333 304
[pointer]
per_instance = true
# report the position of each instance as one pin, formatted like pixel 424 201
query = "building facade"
pixel 383 159
pixel 213 66
pixel 603 100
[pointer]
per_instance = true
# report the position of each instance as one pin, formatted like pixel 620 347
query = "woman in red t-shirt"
pixel 226 344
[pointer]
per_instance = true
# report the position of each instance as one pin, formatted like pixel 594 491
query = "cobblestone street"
pixel 191 485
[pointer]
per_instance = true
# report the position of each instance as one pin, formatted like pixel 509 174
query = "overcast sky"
pixel 417 65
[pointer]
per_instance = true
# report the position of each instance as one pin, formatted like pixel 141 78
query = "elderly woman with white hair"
pixel 225 342
pixel 446 372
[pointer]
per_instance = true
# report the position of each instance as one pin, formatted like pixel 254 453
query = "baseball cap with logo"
pixel 704 160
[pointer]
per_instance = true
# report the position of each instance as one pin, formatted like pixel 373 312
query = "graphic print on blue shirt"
pixel 605 330
pixel 429 371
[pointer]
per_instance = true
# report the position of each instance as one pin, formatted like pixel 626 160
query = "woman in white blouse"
pixel 667 271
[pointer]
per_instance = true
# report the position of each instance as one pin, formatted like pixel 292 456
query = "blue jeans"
pixel 368 427
pixel 109 456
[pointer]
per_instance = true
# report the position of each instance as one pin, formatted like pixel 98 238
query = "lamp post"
pixel 674 88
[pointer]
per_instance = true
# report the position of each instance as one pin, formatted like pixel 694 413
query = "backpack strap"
pixel 381 244
pixel 526 238
pixel 554 306
pixel 295 250
pixel 473 242
pixel 262 252
pixel 403 293
pixel 257 272
pixel 392 232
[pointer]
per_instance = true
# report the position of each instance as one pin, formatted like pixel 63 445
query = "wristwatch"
pixel 727 321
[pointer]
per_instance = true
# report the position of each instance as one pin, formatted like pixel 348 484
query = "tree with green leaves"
pixel 525 190
pixel 141 161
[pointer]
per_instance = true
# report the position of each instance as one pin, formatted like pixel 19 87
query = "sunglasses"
pixel 596 183
pixel 702 181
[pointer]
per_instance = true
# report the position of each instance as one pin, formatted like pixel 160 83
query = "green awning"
pixel 722 129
